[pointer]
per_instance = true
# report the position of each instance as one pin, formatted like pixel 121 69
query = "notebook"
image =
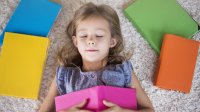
pixel 124 97
pixel 177 63
pixel 32 17
pixel 22 62
pixel 154 18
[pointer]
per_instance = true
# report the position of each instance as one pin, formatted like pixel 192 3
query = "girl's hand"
pixel 77 108
pixel 114 108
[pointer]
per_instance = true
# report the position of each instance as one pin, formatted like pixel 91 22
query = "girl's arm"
pixel 144 104
pixel 48 104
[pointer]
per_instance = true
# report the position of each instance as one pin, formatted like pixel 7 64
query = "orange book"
pixel 177 63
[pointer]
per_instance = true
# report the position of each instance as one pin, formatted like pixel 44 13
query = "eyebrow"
pixel 83 29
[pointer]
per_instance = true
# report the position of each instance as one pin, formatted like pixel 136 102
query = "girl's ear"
pixel 113 42
pixel 74 39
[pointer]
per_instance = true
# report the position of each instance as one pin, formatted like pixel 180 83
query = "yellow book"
pixel 21 65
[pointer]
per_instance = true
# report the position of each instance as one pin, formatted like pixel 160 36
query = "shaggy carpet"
pixel 144 59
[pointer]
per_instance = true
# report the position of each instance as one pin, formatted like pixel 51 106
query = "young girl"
pixel 93 58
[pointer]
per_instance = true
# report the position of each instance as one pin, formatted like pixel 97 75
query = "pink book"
pixel 124 97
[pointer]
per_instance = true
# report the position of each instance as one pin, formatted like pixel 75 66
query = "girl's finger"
pixel 85 111
pixel 82 104
pixel 108 110
pixel 108 104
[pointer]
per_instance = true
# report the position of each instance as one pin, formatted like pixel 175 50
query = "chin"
pixel 92 59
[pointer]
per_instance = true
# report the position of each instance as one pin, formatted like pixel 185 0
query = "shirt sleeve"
pixel 128 68
pixel 60 80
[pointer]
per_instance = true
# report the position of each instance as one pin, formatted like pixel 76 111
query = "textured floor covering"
pixel 144 59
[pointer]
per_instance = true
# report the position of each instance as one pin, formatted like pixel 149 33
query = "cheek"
pixel 80 43
pixel 80 46
pixel 105 46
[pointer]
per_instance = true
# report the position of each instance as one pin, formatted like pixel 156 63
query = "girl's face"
pixel 93 39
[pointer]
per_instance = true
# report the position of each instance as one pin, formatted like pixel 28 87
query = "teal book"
pixel 32 17
pixel 155 18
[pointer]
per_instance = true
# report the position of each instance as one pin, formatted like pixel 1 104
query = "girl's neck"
pixel 94 66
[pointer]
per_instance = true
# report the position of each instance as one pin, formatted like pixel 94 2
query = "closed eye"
pixel 83 36
pixel 99 36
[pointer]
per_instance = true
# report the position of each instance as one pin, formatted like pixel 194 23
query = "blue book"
pixel 32 17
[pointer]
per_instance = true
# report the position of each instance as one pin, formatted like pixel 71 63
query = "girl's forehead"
pixel 96 22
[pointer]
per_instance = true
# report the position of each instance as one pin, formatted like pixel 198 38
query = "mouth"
pixel 91 50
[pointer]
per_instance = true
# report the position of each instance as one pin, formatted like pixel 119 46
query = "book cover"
pixel 177 63
pixel 124 97
pixel 154 18
pixel 32 17
pixel 22 62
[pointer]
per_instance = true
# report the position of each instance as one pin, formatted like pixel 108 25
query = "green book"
pixel 154 18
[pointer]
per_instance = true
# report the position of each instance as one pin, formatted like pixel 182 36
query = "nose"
pixel 91 41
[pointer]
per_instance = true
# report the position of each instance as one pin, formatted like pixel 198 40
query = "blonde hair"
pixel 69 54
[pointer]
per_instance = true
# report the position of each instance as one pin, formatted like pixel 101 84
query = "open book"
pixel 124 97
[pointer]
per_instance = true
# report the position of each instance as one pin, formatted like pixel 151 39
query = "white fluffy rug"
pixel 144 59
